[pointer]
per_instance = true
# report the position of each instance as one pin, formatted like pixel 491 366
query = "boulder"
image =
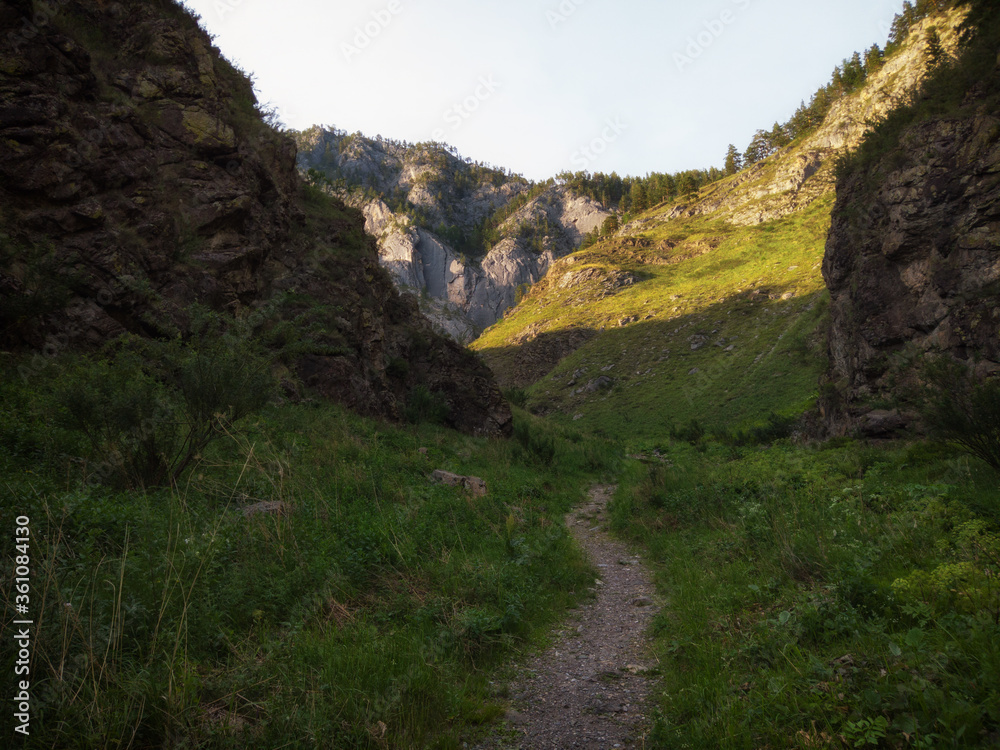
pixel 473 485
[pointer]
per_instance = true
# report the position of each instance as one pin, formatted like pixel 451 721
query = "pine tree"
pixel 935 51
pixel 854 72
pixel 873 60
pixel 638 195
pixel 734 160
pixel 760 148
pixel 778 137
pixel 686 184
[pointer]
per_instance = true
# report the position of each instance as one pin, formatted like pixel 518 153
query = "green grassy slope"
pixel 370 611
pixel 727 327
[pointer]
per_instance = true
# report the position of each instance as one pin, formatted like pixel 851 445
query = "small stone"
pixel 515 718
pixel 474 485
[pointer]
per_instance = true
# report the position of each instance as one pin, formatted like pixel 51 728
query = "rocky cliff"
pixel 913 256
pixel 138 178
pixel 439 203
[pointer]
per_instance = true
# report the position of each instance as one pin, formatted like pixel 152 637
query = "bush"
pixel 960 410
pixel 517 397
pixel 692 433
pixel 151 408
pixel 125 414
pixel 538 446
pixel 424 406
pixel 776 427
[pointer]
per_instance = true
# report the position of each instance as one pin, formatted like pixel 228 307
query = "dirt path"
pixel 591 688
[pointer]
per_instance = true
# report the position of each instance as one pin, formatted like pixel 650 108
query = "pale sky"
pixel 542 86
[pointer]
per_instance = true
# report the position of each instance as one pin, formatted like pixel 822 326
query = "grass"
pixel 757 290
pixel 370 608
pixel 843 596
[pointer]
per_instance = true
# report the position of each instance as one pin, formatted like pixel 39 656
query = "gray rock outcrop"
pixel 462 296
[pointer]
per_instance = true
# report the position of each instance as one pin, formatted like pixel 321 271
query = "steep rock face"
pixel 137 178
pixel 449 190
pixel 467 297
pixel 461 295
pixel 913 257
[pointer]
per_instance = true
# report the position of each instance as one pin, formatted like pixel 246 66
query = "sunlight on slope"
pixel 689 319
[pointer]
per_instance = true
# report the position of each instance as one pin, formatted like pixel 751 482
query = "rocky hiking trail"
pixel 591 687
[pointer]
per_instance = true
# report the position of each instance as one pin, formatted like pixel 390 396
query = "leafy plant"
pixel 959 409
pixel 423 406
pixel 151 408
pixel 866 732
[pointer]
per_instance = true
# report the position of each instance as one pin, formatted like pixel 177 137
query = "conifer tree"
pixel 935 51
pixel 873 60
pixel 734 160
pixel 638 195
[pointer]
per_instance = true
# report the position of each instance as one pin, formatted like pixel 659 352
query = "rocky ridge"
pixel 462 294
pixel 138 178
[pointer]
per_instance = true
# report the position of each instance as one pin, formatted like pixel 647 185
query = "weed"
pixel 819 596
pixel 959 410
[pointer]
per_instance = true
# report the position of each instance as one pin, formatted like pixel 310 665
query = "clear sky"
pixel 541 86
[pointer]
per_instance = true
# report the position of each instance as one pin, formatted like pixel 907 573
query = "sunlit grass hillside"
pixel 688 318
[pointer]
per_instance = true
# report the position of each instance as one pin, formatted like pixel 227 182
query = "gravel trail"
pixel 591 688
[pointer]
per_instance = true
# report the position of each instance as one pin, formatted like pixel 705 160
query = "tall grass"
pixel 840 597
pixel 304 585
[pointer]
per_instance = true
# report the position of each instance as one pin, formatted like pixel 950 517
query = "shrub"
pixel 150 408
pixel 425 406
pixel 124 414
pixel 776 427
pixel 538 446
pixel 517 397
pixel 960 410
pixel 692 433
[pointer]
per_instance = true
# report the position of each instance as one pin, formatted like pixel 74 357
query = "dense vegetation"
pixel 220 563
pixel 299 579
pixel 837 596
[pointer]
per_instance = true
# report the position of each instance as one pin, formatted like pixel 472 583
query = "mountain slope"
pixel 138 180
pixel 711 309
pixel 464 236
